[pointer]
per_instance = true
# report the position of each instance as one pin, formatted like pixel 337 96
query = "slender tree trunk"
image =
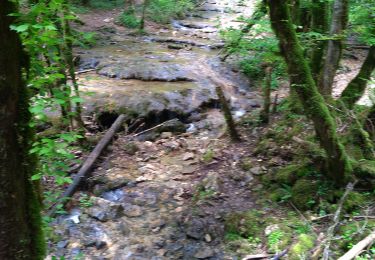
pixel 338 164
pixel 334 48
pixel 319 24
pixel 20 221
pixel 265 113
pixel 232 131
pixel 71 69
pixel 355 89
pixel 143 18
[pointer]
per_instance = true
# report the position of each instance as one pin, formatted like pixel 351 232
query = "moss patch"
pixel 304 194
pixel 300 249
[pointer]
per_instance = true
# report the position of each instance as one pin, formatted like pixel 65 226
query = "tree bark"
pixel 265 113
pixel 355 89
pixel 338 165
pixel 334 48
pixel 319 24
pixel 20 222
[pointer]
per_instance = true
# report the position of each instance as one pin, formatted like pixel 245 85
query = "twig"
pixel 84 71
pixel 357 249
pixel 153 128
pixel 258 256
pixel 336 220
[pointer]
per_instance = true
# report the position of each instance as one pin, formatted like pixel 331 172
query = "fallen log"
pixel 88 164
pixel 357 249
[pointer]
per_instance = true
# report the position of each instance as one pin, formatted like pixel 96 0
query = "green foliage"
pixel 208 156
pixel 44 38
pixel 260 47
pixel 362 20
pixel 274 239
pixel 162 11
pixel 105 4
pixel 129 19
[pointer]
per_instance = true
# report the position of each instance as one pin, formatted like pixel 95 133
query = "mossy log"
pixel 338 164
pixel 265 113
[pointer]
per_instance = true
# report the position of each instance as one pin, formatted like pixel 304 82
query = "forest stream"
pixel 145 201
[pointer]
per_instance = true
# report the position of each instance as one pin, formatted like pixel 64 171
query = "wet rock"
pixel 146 71
pixel 62 244
pixel 104 210
pixel 175 46
pixel 204 253
pixel 88 63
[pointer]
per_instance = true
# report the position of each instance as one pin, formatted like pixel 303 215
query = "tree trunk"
pixel 20 222
pixel 143 18
pixel 355 89
pixel 232 131
pixel 338 164
pixel 265 113
pixel 319 24
pixel 68 54
pixel 334 48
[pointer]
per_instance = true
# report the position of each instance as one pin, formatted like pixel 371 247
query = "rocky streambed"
pixel 166 198
pixel 168 70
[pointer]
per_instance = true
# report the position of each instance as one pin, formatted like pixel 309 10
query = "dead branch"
pixel 88 164
pixel 258 256
pixel 336 220
pixel 357 249
pixel 153 128
pixel 84 71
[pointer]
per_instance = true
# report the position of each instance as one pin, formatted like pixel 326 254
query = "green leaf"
pixel 21 28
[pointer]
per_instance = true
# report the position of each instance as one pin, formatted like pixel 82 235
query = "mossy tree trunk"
pixel 20 222
pixel 334 47
pixel 355 89
pixel 338 164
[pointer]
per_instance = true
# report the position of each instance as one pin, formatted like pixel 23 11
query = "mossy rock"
pixel 246 224
pixel 354 200
pixel 288 175
pixel 302 247
pixel 304 194
pixel 279 238
pixel 277 195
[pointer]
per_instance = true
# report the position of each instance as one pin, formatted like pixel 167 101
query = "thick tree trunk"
pixel 338 164
pixel 355 89
pixel 20 222
pixel 334 48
